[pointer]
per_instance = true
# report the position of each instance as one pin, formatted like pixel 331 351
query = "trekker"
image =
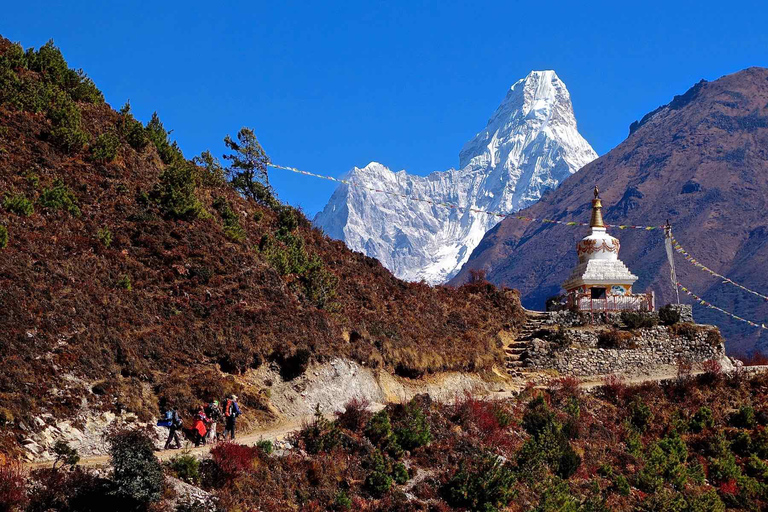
pixel 173 422
pixel 198 425
pixel 214 415
pixel 231 412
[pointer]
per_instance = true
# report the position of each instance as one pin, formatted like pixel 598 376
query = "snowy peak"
pixel 530 144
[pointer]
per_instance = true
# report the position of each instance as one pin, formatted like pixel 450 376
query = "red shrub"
pixel 13 493
pixel 355 415
pixel 729 487
pixel 615 388
pixel 566 387
pixel 233 459
pixel 712 367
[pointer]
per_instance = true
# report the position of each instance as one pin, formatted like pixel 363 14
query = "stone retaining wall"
pixel 651 347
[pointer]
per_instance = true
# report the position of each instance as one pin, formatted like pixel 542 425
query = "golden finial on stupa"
pixel 597 216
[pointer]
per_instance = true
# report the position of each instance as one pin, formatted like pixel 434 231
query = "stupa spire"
pixel 597 215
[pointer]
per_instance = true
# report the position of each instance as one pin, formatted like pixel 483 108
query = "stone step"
pixel 518 344
pixel 516 351
pixel 514 364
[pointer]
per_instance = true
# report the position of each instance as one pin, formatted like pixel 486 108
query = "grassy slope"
pixel 202 307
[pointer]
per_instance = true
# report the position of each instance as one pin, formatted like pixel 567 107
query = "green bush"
pixel 105 236
pixel 210 173
pixel 378 482
pixel 131 129
pixel 319 283
pixel 186 467
pixel 169 151
pixel 125 282
pixel 265 445
pixel 379 428
pixel 637 320
pixel 65 454
pixel 321 435
pixel 664 462
pixel 483 483
pixel 105 147
pixel 537 416
pixel 3 237
pixel 640 415
pixel 400 473
pixel 65 119
pixel 701 420
pixel 668 315
pixel 137 474
pixel 18 204
pixel 744 417
pixel 412 429
pixel 232 228
pixel 341 502
pixel 176 192
pixel 59 197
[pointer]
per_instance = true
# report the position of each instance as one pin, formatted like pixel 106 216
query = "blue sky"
pixel 330 85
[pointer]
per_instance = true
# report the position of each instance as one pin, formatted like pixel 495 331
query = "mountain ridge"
pixel 528 146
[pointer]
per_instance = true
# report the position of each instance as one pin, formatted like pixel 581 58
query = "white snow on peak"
pixel 529 145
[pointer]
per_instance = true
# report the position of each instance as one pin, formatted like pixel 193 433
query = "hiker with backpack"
pixel 198 426
pixel 231 412
pixel 214 416
pixel 173 422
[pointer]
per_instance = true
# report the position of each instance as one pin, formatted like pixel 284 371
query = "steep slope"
pixel 529 145
pixel 702 162
pixel 131 279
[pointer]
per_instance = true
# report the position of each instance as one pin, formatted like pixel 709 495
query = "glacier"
pixel 530 144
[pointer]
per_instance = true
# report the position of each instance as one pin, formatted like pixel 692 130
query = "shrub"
pixel 341 502
pixel 399 473
pixel 379 428
pixel 616 339
pixel 131 129
pixel 231 460
pixel 105 236
pixel 744 417
pixel 640 415
pixel 186 467
pixel 265 445
pixel 637 320
pixel 232 228
pixel 65 119
pixel 210 173
pixel 668 315
pixel 319 283
pixel 105 147
pixel 355 415
pixel 321 435
pixel 686 330
pixel 176 192
pixel 125 282
pixel 378 482
pixel 65 454
pixel 412 429
pixel 59 197
pixel 18 204
pixel 482 483
pixel 3 237
pixel 537 416
pixel 13 494
pixel 169 152
pixel 701 420
pixel 138 475
pixel 665 462
pixel 76 490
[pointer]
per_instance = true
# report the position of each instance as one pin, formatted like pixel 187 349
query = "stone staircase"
pixel 516 350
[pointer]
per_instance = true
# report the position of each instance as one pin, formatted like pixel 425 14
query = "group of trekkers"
pixel 204 423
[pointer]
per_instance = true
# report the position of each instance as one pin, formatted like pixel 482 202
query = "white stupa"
pixel 600 274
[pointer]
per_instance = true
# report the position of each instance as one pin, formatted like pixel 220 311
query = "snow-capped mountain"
pixel 529 145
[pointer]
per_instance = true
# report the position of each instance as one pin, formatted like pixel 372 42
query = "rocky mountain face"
pixel 529 145
pixel 700 161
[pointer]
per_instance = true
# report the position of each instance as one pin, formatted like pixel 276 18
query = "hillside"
pixel 702 162
pixel 132 279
